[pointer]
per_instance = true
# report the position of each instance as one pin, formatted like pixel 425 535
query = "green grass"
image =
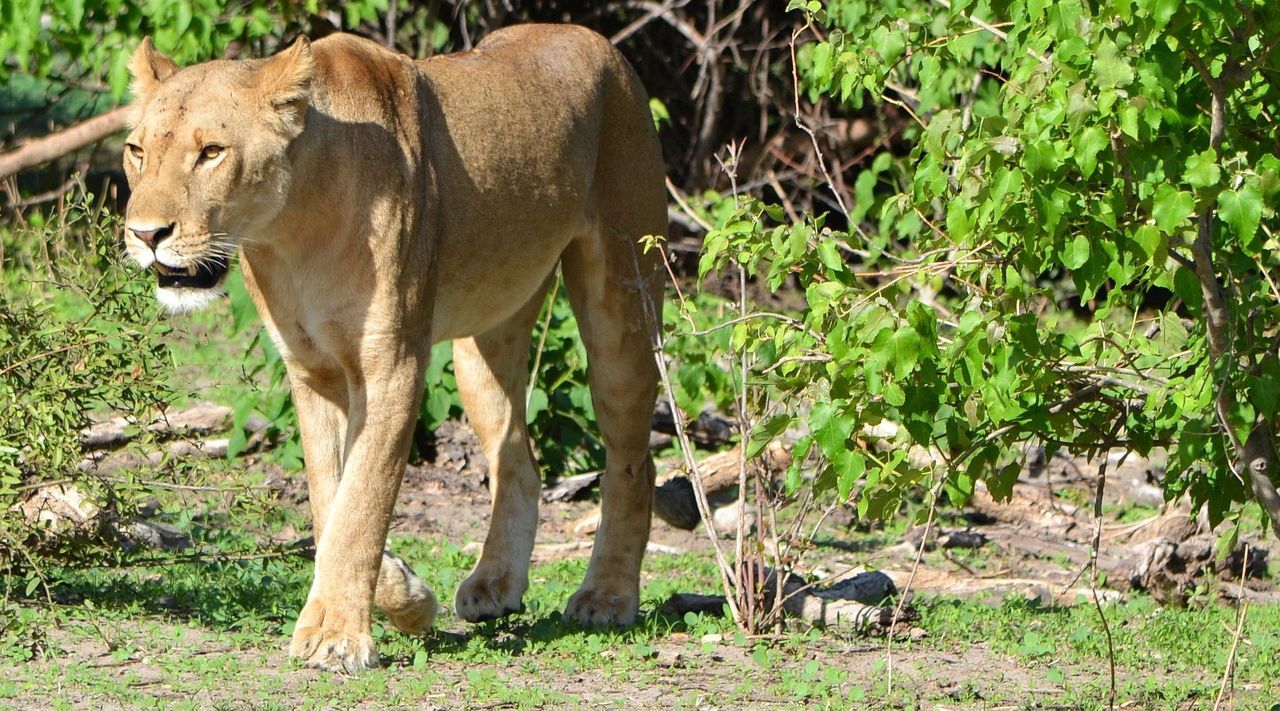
pixel 164 636
pixel 1176 647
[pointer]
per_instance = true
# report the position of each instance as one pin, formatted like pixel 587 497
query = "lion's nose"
pixel 152 236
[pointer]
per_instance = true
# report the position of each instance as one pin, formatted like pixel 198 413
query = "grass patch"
pixel 170 636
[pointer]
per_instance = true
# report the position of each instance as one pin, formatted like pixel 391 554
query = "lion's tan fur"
pixel 382 205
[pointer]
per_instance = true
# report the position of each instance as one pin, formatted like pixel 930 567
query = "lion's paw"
pixel 486 596
pixel 603 606
pixel 326 639
pixel 408 602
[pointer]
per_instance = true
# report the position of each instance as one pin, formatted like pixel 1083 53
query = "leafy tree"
pixel 1116 158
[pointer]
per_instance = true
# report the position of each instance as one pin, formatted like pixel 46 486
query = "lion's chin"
pixel 183 300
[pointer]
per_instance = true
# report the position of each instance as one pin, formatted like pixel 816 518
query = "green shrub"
pixel 1119 157
pixel 81 334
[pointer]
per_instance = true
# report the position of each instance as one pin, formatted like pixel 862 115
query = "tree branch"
pixel 56 145
pixel 1256 457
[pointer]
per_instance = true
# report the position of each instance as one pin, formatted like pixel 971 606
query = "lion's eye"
pixel 135 151
pixel 211 152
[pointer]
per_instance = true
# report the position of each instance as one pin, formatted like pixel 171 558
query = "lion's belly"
pixel 485 279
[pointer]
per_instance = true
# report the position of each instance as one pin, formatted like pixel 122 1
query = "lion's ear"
pixel 284 83
pixel 149 69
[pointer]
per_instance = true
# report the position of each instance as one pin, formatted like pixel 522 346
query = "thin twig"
pixel 934 491
pixel 542 342
pixel 1093 561
pixel 1229 674
pixel 654 322
pixel 813 137
pixel 675 195
pixel 64 349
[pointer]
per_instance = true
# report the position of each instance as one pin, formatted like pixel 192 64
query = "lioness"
pixel 381 205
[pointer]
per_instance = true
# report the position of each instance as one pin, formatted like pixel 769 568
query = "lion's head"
pixel 207 161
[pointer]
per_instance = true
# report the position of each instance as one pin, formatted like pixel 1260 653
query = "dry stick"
pixel 287 551
pixel 56 145
pixel 675 195
pixel 1229 674
pixel 392 10
pixel 747 570
pixel 64 349
pixel 813 137
pixel 542 342
pixel 995 31
pixel 1093 577
pixel 906 589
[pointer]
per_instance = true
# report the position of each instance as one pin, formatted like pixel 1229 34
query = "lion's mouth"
pixel 205 275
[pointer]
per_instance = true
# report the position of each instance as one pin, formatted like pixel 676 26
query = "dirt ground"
pixel 1033 546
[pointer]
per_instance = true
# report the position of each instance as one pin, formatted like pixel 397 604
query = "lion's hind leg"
pixel 616 294
pixel 492 371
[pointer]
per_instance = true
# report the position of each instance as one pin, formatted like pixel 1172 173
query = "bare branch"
pixel 56 145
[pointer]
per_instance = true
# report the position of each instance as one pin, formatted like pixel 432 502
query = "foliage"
pixel 81 334
pixel 91 38
pixel 1049 141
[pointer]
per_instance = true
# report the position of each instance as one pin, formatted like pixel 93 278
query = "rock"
pixel 726 519
pixel 587 525
pixel 158 536
pixel 58 508
pixel 869 587
pixel 674 502
pixel 1171 569
pixel 710 429
pixel 194 449
pixel 967 538
pixel 658 440
pixel 680 603
pixel 199 419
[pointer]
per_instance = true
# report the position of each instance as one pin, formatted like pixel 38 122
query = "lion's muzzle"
pixel 206 274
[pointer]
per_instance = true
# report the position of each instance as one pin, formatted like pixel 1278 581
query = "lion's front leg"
pixel 332 631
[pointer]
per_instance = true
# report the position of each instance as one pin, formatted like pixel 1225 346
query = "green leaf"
pixel 538 402
pixel 1264 393
pixel 829 253
pixel 1241 210
pixel 1187 286
pixel 764 433
pixel 849 469
pixel 1202 169
pixel 904 350
pixel 1109 68
pixel 1077 252
pixel 894 395
pixel 1171 207
pixel 822 62
pixel 1090 141
pixel 1150 240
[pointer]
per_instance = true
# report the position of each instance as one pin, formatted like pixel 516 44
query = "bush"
pixel 1077 247
pixel 81 335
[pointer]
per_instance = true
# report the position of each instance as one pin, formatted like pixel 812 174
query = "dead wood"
pixel 852 603
pixel 55 145
pixel 571 488
pixel 199 419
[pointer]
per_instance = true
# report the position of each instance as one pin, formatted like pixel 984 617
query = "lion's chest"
pixel 316 331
